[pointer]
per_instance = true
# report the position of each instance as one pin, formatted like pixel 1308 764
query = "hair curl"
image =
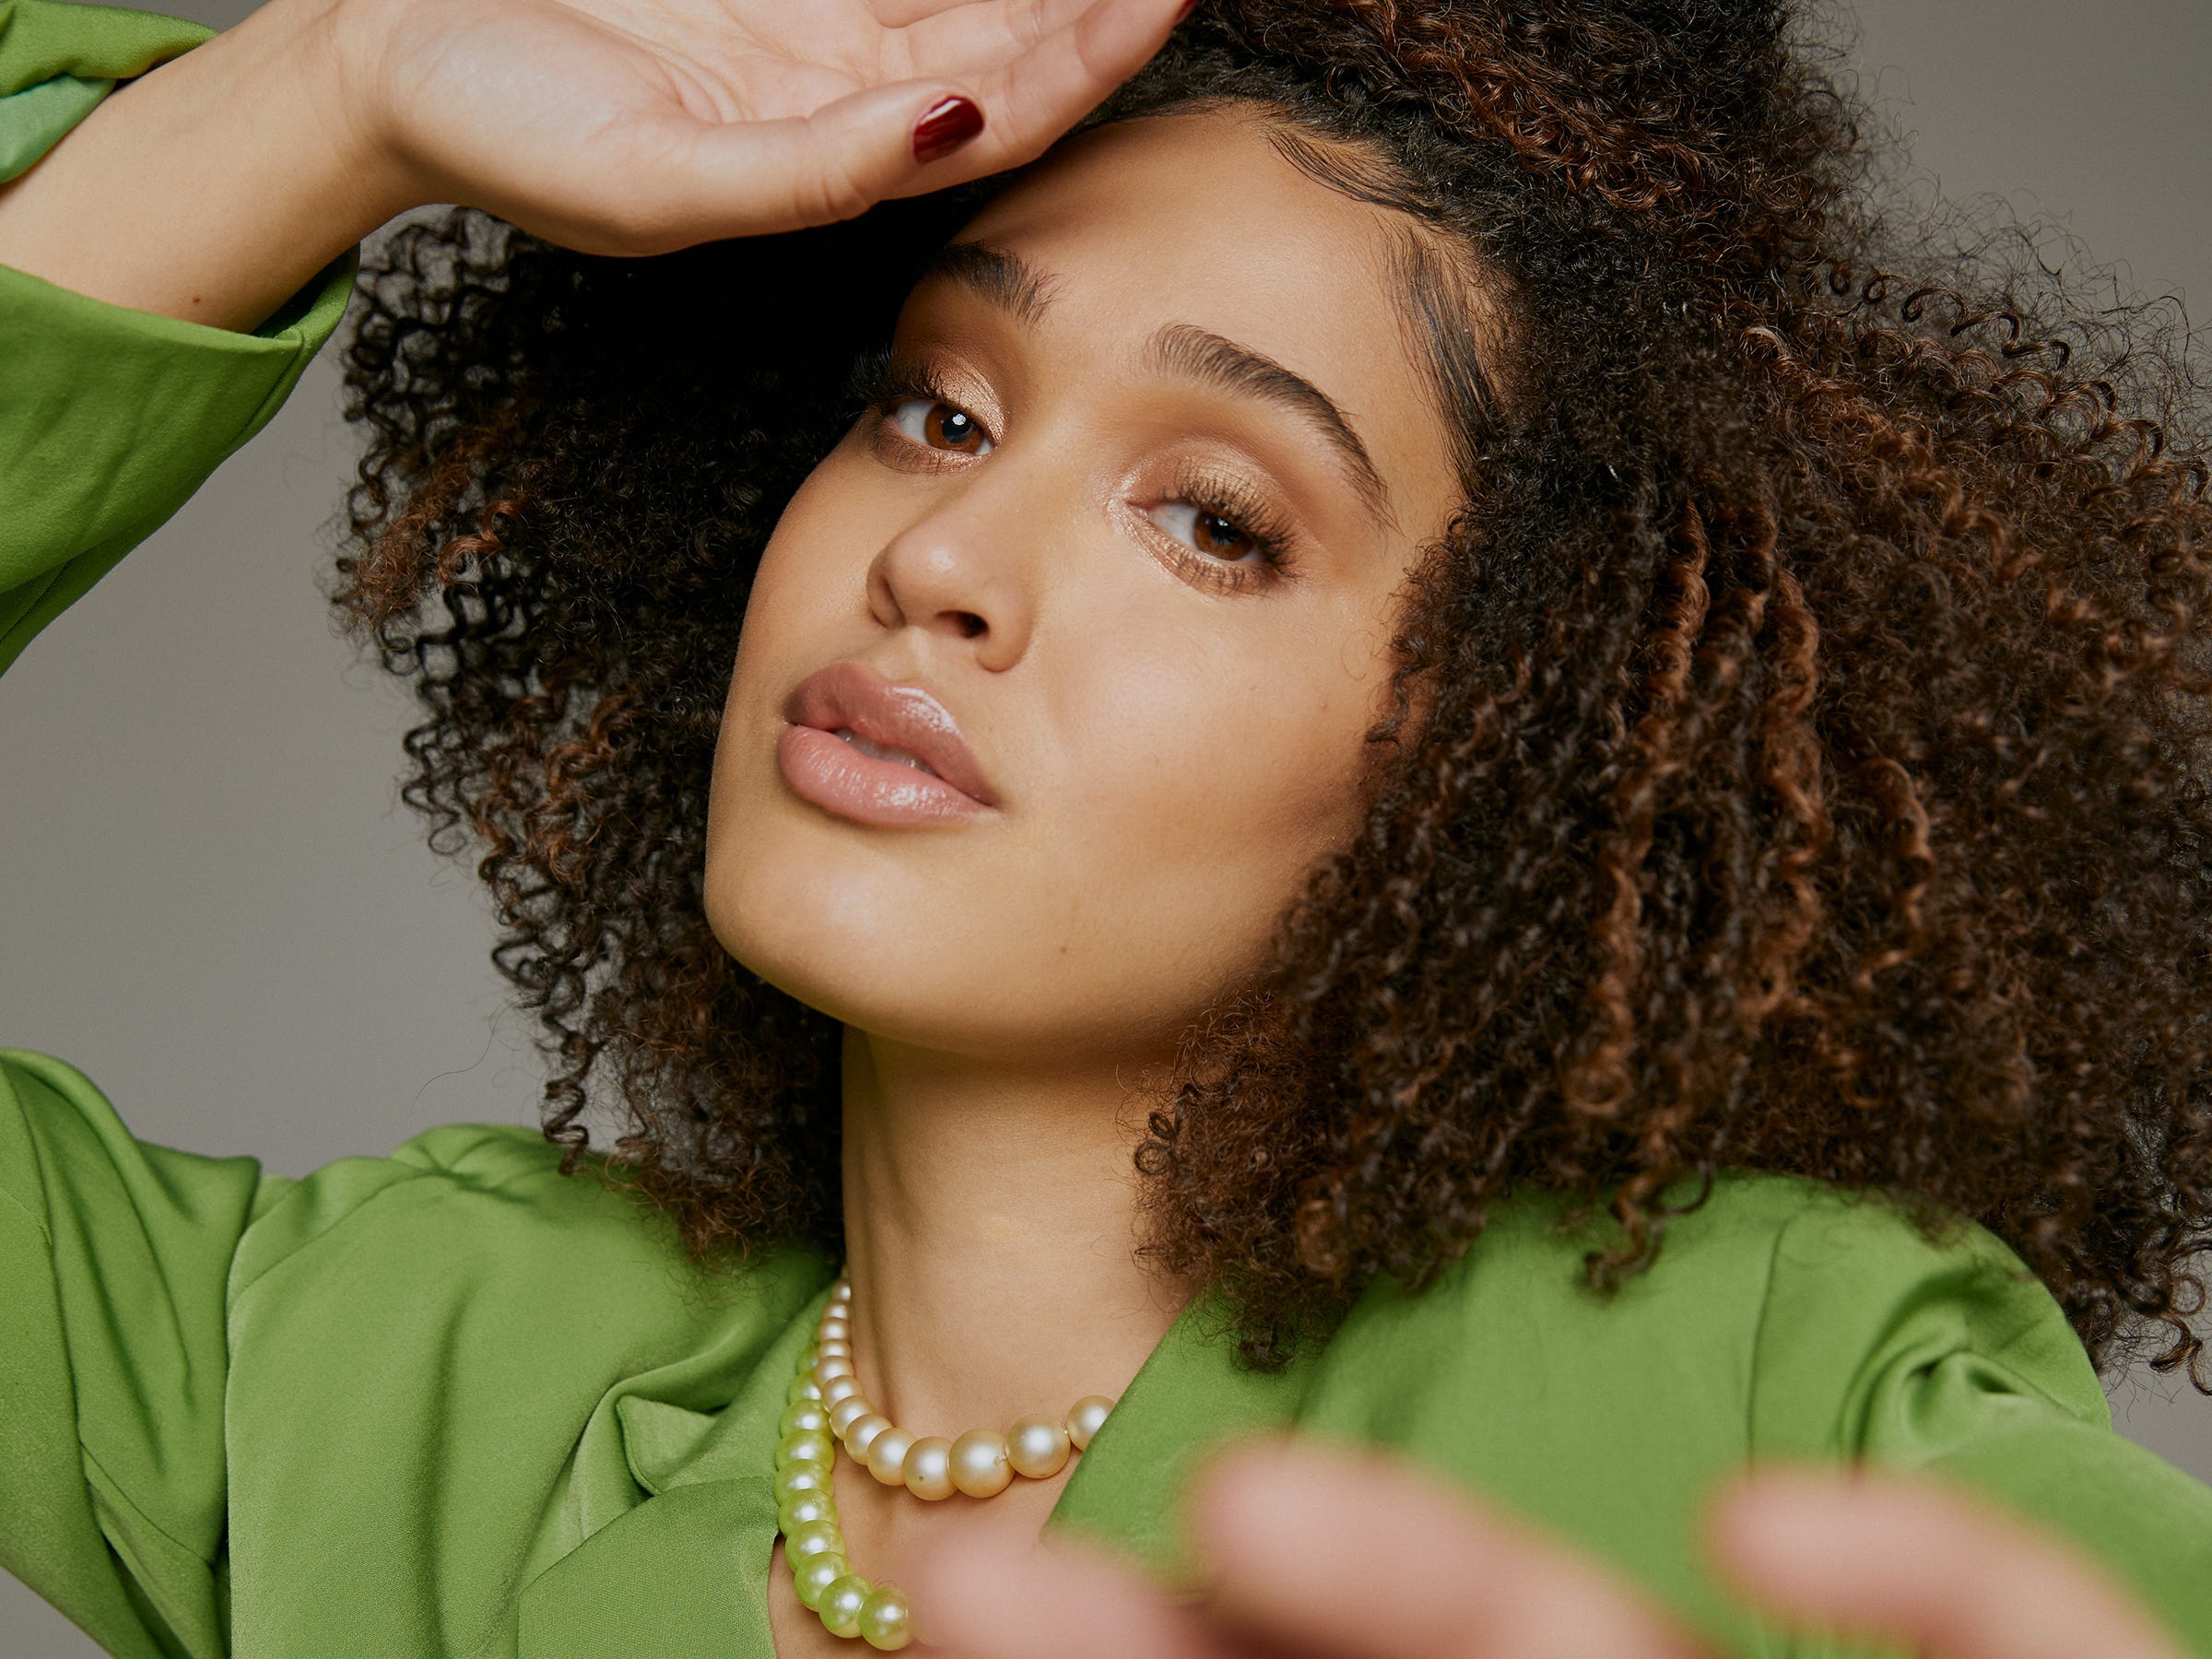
pixel 1800 735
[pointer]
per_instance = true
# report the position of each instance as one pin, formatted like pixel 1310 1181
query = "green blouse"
pixel 450 1402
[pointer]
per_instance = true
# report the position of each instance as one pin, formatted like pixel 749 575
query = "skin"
pixel 1172 753
pixel 616 126
pixel 1309 1552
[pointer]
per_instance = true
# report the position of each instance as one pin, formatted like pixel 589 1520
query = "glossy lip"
pixel 834 775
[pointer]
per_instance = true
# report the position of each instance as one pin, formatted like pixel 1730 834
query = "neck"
pixel 991 1233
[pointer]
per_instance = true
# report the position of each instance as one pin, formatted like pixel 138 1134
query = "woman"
pixel 1412 765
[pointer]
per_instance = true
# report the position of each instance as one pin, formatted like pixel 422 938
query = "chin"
pixel 898 970
pixel 857 943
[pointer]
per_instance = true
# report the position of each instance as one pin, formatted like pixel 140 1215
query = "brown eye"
pixel 949 428
pixel 940 426
pixel 1210 533
pixel 1213 534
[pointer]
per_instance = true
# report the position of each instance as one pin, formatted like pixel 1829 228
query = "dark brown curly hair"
pixel 1799 750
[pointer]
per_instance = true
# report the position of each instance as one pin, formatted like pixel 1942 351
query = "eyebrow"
pixel 1004 278
pixel 1184 350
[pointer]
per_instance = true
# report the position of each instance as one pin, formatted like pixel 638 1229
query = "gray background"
pixel 217 907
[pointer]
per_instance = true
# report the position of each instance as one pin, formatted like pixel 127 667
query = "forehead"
pixel 1196 218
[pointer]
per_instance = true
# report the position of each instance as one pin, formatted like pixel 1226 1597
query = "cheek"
pixel 1173 770
pixel 806 607
pixel 1204 773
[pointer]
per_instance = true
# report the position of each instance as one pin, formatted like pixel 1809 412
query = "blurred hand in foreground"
pixel 1311 1552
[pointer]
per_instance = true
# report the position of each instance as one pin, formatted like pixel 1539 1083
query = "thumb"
pixel 748 177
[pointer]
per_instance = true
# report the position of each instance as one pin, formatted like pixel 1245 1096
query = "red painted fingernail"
pixel 950 123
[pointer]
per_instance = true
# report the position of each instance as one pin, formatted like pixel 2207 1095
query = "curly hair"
pixel 1798 740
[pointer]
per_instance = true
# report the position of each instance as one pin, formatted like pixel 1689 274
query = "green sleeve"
pixel 113 1255
pixel 110 418
pixel 57 61
pixel 114 1260
pixel 1958 1362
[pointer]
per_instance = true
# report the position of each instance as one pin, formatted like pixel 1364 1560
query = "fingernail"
pixel 950 123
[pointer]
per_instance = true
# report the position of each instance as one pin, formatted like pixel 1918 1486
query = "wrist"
pixel 309 130
pixel 215 186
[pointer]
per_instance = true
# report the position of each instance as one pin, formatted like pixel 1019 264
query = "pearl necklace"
pixel 823 1406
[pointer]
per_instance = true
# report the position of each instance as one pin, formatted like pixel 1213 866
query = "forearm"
pixel 213 187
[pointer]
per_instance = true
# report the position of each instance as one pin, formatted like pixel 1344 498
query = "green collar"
pixel 1190 1398
pixel 694 1558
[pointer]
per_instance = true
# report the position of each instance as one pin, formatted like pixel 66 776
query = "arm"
pixel 212 183
pixel 212 187
pixel 113 1257
pixel 110 418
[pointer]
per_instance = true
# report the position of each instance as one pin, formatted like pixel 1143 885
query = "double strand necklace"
pixel 823 1409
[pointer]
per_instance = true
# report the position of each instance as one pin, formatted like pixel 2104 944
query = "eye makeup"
pixel 1215 528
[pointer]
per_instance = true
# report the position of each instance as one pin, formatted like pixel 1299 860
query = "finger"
pixel 1344 1550
pixel 1920 1562
pixel 985 1600
pixel 983 34
pixel 1037 96
pixel 834 163
pixel 744 177
pixel 899 14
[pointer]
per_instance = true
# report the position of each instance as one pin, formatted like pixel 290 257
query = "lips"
pixel 851 742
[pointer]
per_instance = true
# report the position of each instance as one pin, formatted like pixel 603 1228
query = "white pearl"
pixel 832 1347
pixel 928 1472
pixel 862 1433
pixel 979 1463
pixel 1037 1447
pixel 1085 1418
pixel 887 1455
pixel 838 1388
pixel 831 1367
pixel 835 1330
pixel 847 1412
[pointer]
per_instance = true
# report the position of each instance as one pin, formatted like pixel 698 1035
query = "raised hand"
pixel 213 187
pixel 635 126
pixel 1330 1552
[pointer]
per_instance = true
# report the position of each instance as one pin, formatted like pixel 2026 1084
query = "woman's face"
pixel 1156 456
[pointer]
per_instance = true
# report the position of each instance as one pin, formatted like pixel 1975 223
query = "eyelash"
pixel 885 382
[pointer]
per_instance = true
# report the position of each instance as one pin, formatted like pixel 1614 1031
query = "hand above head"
pixel 1332 1552
pixel 638 126
pixel 214 186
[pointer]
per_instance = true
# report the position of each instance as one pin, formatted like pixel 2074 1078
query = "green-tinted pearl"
pixel 817 1505
pixel 813 1577
pixel 801 1477
pixel 805 1446
pixel 802 1388
pixel 812 1538
pixel 804 1415
pixel 885 1620
pixel 842 1602
pixel 807 1358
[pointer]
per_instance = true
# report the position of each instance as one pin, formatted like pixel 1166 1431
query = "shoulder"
pixel 1603 1419
pixel 1755 1232
pixel 1769 1310
pixel 1715 1262
pixel 466 1207
pixel 481 1180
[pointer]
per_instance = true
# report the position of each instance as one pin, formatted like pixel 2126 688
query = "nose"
pixel 957 571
